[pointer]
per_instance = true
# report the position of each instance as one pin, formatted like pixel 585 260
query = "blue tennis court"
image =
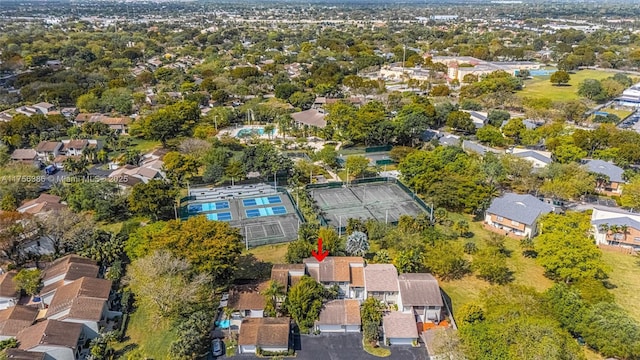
pixel 266 200
pixel 224 216
pixel 276 210
pixel 204 207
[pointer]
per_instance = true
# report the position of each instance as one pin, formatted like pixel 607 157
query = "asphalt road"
pixel 344 347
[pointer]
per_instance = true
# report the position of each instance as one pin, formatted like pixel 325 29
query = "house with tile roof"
pixel 612 226
pixel 17 354
pixel 609 177
pixel 58 340
pixel 381 282
pixel 420 296
pixel 311 117
pixel 266 334
pixel 41 205
pixel 339 316
pixel 344 271
pixel 9 294
pixel 48 150
pixel 287 275
pixel 516 214
pixel 63 271
pixel 24 155
pixel 15 319
pixel 83 301
pixel 247 300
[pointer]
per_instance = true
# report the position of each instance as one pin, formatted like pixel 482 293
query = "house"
pixel 472 146
pixel 143 173
pixel 15 319
pixel 47 150
pixel 120 125
pixel 44 108
pixel 347 273
pixel 63 271
pixel 58 340
pixel 247 300
pixel 287 274
pixel 339 316
pixel 311 117
pixel 69 112
pixel 381 282
pixel 420 296
pixel 24 155
pixel 43 204
pixel 83 301
pixel 5 116
pixel 74 147
pixel 516 214
pixel 27 110
pixel 399 328
pixel 479 119
pixel 609 179
pixel 538 159
pixel 267 334
pixel 9 294
pixel 612 226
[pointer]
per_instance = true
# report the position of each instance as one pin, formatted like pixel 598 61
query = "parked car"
pixel 216 347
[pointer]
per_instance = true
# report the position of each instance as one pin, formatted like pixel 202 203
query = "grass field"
pixel 152 338
pixel 624 275
pixel 145 146
pixel 270 253
pixel 540 87
pixel 469 289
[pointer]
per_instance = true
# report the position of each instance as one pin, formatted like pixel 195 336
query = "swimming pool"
pixel 224 324
pixel 224 216
pixel 276 210
pixel 247 132
pixel 203 207
pixel 266 200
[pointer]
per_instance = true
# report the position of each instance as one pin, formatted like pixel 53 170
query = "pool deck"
pixel 233 131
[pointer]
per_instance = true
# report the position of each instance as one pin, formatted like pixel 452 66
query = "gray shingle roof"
pixel 534 155
pixel 524 209
pixel 618 221
pixel 605 168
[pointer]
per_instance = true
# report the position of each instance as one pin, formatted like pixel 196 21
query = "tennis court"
pixel 382 201
pixel 263 215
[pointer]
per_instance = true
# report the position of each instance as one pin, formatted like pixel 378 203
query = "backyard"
pixel 540 87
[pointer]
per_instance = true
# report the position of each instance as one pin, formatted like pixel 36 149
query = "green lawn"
pixel 624 275
pixel 270 253
pixel 145 146
pixel 469 289
pixel 540 87
pixel 152 338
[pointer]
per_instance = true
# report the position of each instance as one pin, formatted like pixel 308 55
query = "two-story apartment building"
pixel 347 273
pixel 420 295
pixel 58 340
pixel 516 214
pixel 616 227
pixel 63 271
pixel 381 282
pixel 48 150
pixel 609 177
pixel 9 294
pixel 15 319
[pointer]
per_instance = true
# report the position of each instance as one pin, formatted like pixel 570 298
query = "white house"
pixel 420 296
pixel 83 301
pixel 344 271
pixel 63 271
pixel 9 295
pixel 340 316
pixel 538 159
pixel 47 150
pixel 58 340
pixel 616 227
pixel 381 282
pixel 268 334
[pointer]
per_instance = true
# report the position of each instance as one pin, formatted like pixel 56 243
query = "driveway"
pixel 345 346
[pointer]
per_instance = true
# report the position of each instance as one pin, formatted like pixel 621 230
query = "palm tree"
pixel 227 313
pixel 273 293
pixel 624 229
pixel 89 153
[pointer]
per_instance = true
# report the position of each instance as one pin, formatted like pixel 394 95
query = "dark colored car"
pixel 216 347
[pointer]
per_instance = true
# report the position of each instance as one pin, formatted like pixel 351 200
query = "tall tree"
pixel 304 302
pixel 156 199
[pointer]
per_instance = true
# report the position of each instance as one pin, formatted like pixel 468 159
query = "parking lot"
pixel 632 122
pixel 344 346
